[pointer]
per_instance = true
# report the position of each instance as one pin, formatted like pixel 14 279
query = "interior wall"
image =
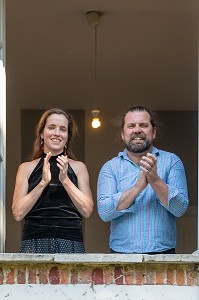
pixel 179 135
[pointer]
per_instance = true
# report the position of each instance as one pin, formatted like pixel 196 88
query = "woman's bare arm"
pixel 81 196
pixel 22 200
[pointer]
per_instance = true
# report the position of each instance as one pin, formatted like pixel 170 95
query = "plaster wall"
pixel 102 292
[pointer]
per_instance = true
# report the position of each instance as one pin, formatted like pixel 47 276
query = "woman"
pixel 52 192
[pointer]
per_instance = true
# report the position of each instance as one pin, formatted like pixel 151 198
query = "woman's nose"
pixel 56 131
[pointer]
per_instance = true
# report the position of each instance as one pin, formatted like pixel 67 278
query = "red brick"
pixel 160 275
pixel 139 276
pixel 150 276
pixel 64 276
pixel 85 276
pixel 54 275
pixel 1 276
pixel 43 276
pixel 108 276
pixel 129 275
pixel 97 276
pixel 21 276
pixel 32 276
pixel 180 277
pixel 170 276
pixel 74 276
pixel 119 275
pixel 191 277
pixel 10 277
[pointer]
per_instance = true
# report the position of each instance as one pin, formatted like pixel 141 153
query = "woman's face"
pixel 55 134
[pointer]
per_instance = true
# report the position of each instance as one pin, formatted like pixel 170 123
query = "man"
pixel 142 190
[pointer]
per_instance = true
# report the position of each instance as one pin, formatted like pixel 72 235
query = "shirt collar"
pixel 123 154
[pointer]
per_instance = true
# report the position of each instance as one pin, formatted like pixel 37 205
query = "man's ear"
pixel 154 133
pixel 122 135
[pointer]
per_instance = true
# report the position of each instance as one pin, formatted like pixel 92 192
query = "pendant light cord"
pixel 95 66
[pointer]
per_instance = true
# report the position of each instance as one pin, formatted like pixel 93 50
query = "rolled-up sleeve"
pixel 177 189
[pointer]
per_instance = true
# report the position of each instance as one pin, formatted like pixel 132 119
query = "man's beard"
pixel 138 148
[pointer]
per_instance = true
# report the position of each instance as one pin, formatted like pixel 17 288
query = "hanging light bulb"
pixel 93 20
pixel 95 121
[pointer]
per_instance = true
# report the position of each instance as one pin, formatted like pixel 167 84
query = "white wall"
pixel 99 292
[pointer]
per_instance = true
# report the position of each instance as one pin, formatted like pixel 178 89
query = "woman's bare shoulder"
pixel 77 165
pixel 28 167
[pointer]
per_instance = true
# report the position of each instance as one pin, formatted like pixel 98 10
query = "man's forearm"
pixel 161 190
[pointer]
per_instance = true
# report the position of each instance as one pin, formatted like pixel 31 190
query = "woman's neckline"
pixel 53 156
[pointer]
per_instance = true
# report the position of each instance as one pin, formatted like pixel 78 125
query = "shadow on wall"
pixel 179 134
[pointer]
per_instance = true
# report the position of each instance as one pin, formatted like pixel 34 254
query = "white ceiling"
pixel 147 53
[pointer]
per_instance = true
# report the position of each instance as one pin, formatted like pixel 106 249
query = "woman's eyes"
pixel 51 127
pixel 63 129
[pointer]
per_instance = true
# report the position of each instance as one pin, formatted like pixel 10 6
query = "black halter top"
pixel 54 214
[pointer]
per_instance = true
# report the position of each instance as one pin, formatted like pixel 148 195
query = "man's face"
pixel 138 134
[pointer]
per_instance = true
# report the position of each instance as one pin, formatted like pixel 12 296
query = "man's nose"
pixel 137 128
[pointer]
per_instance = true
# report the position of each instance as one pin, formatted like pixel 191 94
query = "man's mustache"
pixel 142 136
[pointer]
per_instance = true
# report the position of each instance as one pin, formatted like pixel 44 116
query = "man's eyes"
pixel 140 125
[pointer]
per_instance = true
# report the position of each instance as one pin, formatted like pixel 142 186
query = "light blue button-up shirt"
pixel 147 225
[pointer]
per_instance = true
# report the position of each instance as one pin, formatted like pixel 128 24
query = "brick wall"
pixel 134 274
pixel 100 269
